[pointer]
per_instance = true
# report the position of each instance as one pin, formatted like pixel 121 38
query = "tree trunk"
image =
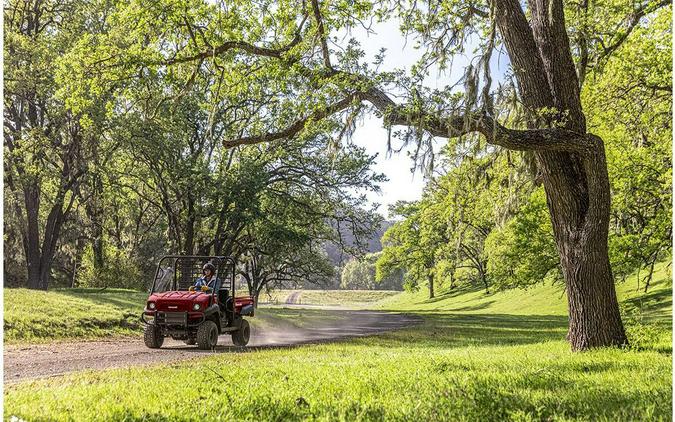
pixel 430 278
pixel 40 262
pixel 33 263
pixel 38 258
pixel 483 278
pixel 189 244
pixel 94 210
pixel 578 198
pixel 650 275
pixel 97 247
pixel 256 297
pixel 594 318
pixel 576 184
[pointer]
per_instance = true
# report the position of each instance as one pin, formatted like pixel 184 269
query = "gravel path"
pixel 22 362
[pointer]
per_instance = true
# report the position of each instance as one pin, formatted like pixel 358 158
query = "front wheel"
pixel 241 337
pixel 207 335
pixel 153 336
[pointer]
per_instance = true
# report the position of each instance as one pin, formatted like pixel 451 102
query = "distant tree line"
pixel 360 274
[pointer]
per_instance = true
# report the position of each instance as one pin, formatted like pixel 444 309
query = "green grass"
pixel 490 367
pixel 37 316
pixel 475 357
pixel 352 298
pixel 541 299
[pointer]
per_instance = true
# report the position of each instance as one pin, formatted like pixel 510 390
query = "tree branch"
pixel 244 46
pixel 296 126
pixel 550 139
pixel 550 34
pixel 631 22
pixel 322 35
pixel 523 52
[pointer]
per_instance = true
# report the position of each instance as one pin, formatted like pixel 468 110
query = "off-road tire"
pixel 153 337
pixel 207 335
pixel 241 337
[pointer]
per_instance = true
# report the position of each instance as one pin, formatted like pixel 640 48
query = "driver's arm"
pixel 197 284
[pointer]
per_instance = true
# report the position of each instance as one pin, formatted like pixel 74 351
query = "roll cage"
pixel 179 272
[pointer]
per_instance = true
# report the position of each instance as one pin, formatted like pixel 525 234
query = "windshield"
pixel 164 279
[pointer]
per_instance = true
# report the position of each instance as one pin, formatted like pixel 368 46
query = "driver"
pixel 207 282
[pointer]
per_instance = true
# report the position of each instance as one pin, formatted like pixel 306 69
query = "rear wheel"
pixel 207 335
pixel 153 336
pixel 241 337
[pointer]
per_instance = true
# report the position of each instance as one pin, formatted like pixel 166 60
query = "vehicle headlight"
pixel 151 305
pixel 196 306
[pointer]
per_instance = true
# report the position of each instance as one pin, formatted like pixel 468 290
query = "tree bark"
pixel 430 278
pixel 40 257
pixel 94 209
pixel 31 242
pixel 189 243
pixel 483 278
pixel 578 199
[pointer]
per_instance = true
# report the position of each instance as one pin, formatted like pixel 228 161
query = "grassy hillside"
pixel 537 300
pixel 37 316
pixel 475 357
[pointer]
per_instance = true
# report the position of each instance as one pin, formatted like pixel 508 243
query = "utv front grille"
pixel 172 318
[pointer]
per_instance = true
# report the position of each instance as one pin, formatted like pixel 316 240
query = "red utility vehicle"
pixel 172 310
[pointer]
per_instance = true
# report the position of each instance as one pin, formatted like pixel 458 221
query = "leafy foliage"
pixel 409 245
pixel 136 168
pixel 360 274
pixel 631 106
pixel 492 208
pixel 522 252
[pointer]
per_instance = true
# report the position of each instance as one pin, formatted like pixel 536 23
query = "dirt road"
pixel 273 330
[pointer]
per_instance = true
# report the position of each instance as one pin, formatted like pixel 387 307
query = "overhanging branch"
pixel 295 127
pixel 550 139
pixel 554 139
pixel 631 22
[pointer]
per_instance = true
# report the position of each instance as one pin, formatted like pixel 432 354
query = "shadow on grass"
pixel 478 307
pixel 457 291
pixel 654 303
pixel 457 330
pixel 126 299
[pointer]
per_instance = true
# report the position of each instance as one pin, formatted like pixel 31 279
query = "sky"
pixel 370 134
